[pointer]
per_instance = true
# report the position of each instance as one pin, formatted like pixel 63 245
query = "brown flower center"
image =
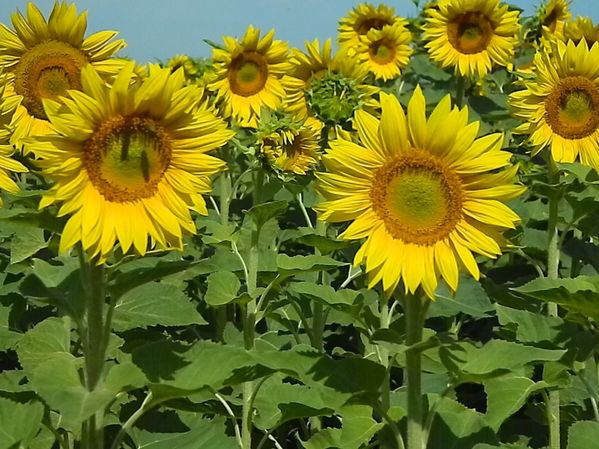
pixel 126 158
pixel 572 109
pixel 362 27
pixel 470 32
pixel 48 70
pixel 248 73
pixel 418 198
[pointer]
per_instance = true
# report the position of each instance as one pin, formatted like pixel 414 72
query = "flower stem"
pixel 460 91
pixel 553 256
pixel 414 316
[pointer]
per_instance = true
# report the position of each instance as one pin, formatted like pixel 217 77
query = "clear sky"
pixel 159 29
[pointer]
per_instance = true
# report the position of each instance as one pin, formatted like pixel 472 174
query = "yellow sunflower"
pixel 581 28
pixel 553 14
pixel 560 105
pixel 43 59
pixel 189 67
pixel 425 195
pixel 248 75
pixel 129 160
pixel 386 51
pixel 289 145
pixel 363 18
pixel 471 35
pixel 327 87
pixel 8 105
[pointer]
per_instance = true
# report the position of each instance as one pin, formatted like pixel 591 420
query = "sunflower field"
pixel 386 239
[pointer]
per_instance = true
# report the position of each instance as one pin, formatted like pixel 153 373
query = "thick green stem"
pixel 224 183
pixel 318 311
pixel 414 316
pixel 553 256
pixel 460 91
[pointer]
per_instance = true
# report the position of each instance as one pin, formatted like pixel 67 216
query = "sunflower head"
pixel 128 161
pixel 363 18
pixel 553 13
pixel 190 69
pixel 579 29
pixel 559 106
pixel 248 75
pixel 471 36
pixel 386 51
pixel 424 195
pixel 287 145
pixel 44 59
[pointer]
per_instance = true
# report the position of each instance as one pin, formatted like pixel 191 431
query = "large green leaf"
pixel 49 338
pixel 470 299
pixel 305 264
pixel 583 435
pixel 222 288
pixel 19 422
pixel 25 242
pixel 155 303
pixel 531 327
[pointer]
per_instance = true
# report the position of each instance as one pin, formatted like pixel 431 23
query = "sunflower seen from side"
pixel 385 52
pixel 553 14
pixel 248 75
pixel 471 35
pixel 129 161
pixel 426 196
pixel 559 106
pixel 579 29
pixel 44 58
pixel 8 106
pixel 363 18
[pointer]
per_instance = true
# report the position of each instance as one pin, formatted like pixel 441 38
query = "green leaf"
pixel 25 242
pixel 8 338
pixel 324 293
pixel 583 435
pixel 261 213
pixel 505 396
pixel 290 266
pixel 47 339
pixel 470 299
pixel 222 288
pixel 153 304
pixel 577 295
pixel 530 327
pixel 19 423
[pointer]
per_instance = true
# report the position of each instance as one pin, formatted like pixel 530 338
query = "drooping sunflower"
pixel 361 19
pixel 128 161
pixel 553 14
pixel 386 51
pixel 288 145
pixel 426 196
pixel 189 68
pixel 471 35
pixel 579 29
pixel 560 105
pixel 248 75
pixel 8 105
pixel 330 88
pixel 43 59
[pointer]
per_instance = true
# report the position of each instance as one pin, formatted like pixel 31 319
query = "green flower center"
pixel 572 109
pixel 248 74
pixel 470 32
pixel 126 158
pixel 333 98
pixel 418 198
pixel 382 52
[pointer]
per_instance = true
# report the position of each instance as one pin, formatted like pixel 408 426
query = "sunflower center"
pixel 126 158
pixel 382 52
pixel 470 32
pixel 572 109
pixel 418 198
pixel 333 98
pixel 375 22
pixel 48 70
pixel 248 74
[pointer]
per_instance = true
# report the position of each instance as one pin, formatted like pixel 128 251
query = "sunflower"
pixel 581 28
pixel 363 18
pixel 553 14
pixel 386 51
pixel 471 35
pixel 248 75
pixel 327 87
pixel 289 145
pixel 43 59
pixel 8 105
pixel 421 192
pixel 560 105
pixel 129 161
pixel 189 67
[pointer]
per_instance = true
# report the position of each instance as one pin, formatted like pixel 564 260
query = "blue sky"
pixel 158 29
